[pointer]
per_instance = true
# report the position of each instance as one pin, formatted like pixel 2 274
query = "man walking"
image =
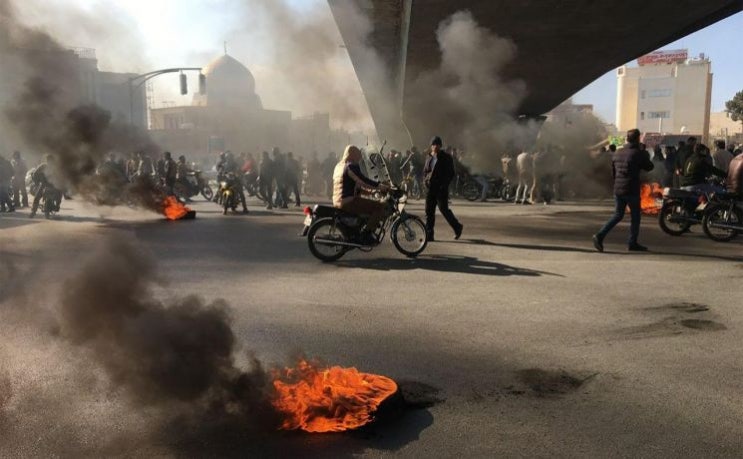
pixel 627 163
pixel 438 173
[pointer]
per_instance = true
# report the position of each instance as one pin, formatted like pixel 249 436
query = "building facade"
pixel 85 85
pixel 722 127
pixel 667 93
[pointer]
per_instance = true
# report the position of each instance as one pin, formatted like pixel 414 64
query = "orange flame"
pixel 328 400
pixel 649 196
pixel 173 209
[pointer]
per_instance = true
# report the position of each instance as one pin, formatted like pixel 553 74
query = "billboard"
pixel 664 57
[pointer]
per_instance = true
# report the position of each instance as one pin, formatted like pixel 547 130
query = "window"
pixel 659 93
pixel 642 94
pixel 642 115
pixel 658 115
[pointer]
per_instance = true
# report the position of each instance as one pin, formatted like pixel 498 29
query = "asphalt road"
pixel 521 339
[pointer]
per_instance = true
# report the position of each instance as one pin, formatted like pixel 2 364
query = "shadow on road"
pixel 549 248
pixel 16 220
pixel 445 263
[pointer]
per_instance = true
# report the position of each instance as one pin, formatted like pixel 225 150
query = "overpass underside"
pixel 563 45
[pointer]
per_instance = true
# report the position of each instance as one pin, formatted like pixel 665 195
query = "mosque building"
pixel 231 116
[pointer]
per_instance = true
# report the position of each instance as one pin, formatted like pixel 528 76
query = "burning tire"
pixel 320 239
pixel 409 236
pixel 719 215
pixel 670 212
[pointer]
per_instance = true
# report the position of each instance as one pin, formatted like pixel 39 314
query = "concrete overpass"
pixel 563 45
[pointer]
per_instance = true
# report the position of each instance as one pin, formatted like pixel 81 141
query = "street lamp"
pixel 139 80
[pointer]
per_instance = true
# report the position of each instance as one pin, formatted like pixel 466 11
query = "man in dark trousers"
pixel 626 164
pixel 438 173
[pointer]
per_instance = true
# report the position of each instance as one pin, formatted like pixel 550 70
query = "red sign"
pixel 664 57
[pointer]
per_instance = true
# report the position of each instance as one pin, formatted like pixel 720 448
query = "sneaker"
pixel 637 248
pixel 458 232
pixel 598 243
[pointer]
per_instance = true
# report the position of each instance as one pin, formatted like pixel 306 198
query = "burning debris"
pixel 331 399
pixel 173 209
pixel 179 355
pixel 651 197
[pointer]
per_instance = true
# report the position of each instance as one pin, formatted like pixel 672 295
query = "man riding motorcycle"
pixel 348 180
pixel 43 176
pixel 696 170
pixel 229 166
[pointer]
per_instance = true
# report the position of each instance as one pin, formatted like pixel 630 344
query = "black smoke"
pixel 177 354
pixel 49 115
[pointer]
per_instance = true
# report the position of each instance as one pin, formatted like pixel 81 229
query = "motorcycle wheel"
pixel 669 227
pixel 207 192
pixel 326 229
pixel 226 204
pixel 415 192
pixel 508 193
pixel 471 191
pixel 408 234
pixel 718 214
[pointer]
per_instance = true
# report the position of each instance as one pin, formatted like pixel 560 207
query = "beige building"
pixel 667 93
pixel 722 127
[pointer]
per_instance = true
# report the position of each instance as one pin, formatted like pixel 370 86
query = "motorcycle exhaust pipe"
pixel 726 226
pixel 339 243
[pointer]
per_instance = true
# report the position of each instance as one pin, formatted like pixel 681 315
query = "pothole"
pixel 549 383
pixel 699 324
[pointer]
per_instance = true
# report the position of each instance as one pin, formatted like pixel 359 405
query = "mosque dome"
pixel 230 83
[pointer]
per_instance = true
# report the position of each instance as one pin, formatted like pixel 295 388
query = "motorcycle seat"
pixel 322 211
pixel 678 193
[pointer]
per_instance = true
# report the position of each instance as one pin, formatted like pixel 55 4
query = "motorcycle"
pixel 228 193
pixel 51 198
pixel 194 184
pixel 681 209
pixel 331 232
pixel 723 217
pixel 472 188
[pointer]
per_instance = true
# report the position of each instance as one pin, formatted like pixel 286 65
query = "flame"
pixel 650 193
pixel 328 399
pixel 173 209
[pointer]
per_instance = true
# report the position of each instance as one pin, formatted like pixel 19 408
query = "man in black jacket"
pixel 627 163
pixel 438 173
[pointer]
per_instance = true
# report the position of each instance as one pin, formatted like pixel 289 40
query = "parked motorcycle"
pixel 472 188
pixel 194 184
pixel 331 232
pixel 681 209
pixel 723 217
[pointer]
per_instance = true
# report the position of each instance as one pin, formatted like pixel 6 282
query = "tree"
pixel 734 107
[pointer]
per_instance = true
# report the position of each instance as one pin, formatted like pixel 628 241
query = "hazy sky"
pixel 165 33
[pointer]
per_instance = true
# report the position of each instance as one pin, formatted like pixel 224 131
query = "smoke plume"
pixel 156 352
pixel 49 114
pixel 466 100
pixel 309 70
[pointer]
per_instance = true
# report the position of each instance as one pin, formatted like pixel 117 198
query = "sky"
pixel 721 42
pixel 168 33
